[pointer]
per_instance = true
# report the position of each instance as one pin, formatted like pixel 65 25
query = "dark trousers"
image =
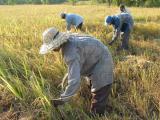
pixel 99 100
pixel 80 26
pixel 125 37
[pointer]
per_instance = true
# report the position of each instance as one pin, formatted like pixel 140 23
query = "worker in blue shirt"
pixel 72 20
pixel 122 24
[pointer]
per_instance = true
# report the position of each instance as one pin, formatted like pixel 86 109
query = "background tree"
pixel 73 1
pixel 2 2
pixel 20 1
pixel 109 2
pixel 118 2
pixel 36 1
pixel 11 2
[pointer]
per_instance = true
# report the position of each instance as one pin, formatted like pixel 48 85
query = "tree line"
pixel 146 3
pixel 9 2
pixel 138 3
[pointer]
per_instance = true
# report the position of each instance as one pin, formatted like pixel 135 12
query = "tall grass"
pixel 33 79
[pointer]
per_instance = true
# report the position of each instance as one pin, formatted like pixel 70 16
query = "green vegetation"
pixel 73 1
pixel 28 80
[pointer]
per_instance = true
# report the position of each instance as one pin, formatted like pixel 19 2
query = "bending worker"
pixel 85 56
pixel 123 24
pixel 72 20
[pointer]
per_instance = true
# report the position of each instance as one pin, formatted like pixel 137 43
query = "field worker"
pixel 123 9
pixel 85 56
pixel 72 20
pixel 122 24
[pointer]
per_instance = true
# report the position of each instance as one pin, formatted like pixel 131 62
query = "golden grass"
pixel 34 78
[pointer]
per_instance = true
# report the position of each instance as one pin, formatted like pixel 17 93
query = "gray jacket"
pixel 73 19
pixel 88 57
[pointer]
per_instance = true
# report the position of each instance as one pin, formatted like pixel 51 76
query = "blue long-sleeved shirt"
pixel 73 19
pixel 118 21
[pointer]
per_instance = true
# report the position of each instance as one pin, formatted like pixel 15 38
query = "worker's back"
pixel 94 58
pixel 126 18
pixel 73 19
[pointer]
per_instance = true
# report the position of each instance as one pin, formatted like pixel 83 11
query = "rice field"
pixel 28 80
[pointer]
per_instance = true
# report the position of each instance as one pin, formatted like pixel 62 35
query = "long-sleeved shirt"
pixel 86 56
pixel 118 21
pixel 73 19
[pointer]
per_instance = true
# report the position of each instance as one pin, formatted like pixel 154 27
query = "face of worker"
pixel 122 9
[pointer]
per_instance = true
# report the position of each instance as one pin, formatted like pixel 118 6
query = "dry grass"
pixel 28 80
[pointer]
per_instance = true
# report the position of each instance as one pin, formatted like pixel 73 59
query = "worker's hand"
pixel 57 102
pixel 68 31
pixel 111 42
pixel 122 34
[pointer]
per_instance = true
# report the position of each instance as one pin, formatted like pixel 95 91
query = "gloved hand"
pixel 57 102
pixel 68 31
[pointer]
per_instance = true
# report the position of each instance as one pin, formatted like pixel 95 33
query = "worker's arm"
pixel 73 79
pixel 117 31
pixel 116 34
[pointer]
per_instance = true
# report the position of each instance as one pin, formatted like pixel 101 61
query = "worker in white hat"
pixel 85 56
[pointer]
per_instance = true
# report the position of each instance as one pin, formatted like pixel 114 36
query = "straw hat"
pixel 52 39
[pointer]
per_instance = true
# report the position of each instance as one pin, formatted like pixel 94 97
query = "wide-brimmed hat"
pixel 52 39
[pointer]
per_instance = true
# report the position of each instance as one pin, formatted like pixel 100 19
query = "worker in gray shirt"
pixel 123 9
pixel 85 56
pixel 122 24
pixel 72 20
